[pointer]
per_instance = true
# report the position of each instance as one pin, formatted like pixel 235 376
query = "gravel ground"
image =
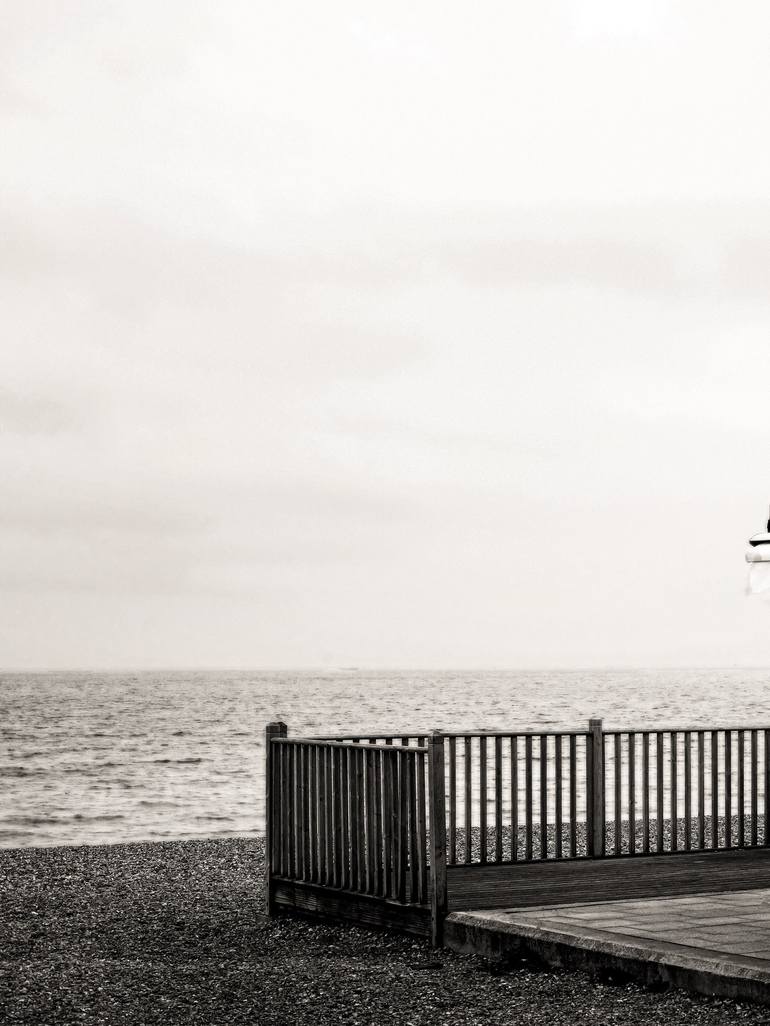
pixel 176 933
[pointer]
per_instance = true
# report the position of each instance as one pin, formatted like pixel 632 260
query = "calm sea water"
pixel 93 758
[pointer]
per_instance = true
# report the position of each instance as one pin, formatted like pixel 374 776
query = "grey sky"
pixel 383 334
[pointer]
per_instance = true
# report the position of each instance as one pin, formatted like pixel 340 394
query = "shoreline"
pixel 176 932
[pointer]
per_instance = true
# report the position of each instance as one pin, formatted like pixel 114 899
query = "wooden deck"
pixel 518 885
pixel 404 830
pixel 716 944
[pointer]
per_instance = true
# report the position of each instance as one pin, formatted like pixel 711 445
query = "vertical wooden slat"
pixel 355 816
pixel 659 788
pixel 483 798
pixel 674 790
pixel 701 789
pixel 422 820
pixel 558 783
pixel 452 800
pixel 272 808
pixel 337 809
pixel 741 795
pixel 632 792
pixel 595 791
pixel 468 782
pixel 714 789
pixel 646 792
pixel 754 789
pixel 728 789
pixel 334 816
pixel 307 801
pixel 618 754
pixel 402 846
pixel 388 821
pixel 411 777
pixel 766 832
pixel 328 752
pixel 371 822
pixel 498 799
pixel 347 833
pixel 292 752
pixel 361 845
pixel 378 822
pixel 311 813
pixel 283 810
pixel 438 885
pixel 528 797
pixel 543 796
pixel 343 843
pixel 422 832
pixel 514 798
pixel 573 796
pixel 688 790
pixel 274 837
pixel 299 809
pixel 321 813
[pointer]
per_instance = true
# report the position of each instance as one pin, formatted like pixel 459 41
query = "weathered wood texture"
pixel 350 817
pixel 438 855
pixel 272 778
pixel 360 828
pixel 361 909
pixel 531 796
pixel 574 881
pixel 700 789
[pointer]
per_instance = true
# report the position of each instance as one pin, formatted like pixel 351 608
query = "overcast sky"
pixel 403 334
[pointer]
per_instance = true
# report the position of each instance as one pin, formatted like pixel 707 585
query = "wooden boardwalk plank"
pixel 578 880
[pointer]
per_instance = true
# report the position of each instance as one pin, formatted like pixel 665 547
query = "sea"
pixel 103 758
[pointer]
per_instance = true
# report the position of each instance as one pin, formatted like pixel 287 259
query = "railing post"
pixel 272 730
pixel 437 798
pixel 595 783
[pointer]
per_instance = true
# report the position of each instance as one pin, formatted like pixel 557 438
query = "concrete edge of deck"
pixel 496 936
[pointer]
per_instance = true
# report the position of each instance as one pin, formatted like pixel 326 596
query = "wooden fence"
pixel 368 825
pixel 347 829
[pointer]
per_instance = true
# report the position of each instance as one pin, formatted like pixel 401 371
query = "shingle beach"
pixel 177 933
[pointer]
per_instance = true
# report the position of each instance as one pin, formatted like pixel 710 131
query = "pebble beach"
pixel 176 932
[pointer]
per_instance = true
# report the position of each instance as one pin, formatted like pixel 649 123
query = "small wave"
pixel 95 819
pixel 179 761
pixel 35 821
pixel 20 771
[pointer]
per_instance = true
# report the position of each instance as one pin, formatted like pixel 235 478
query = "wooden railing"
pixel 686 789
pixel 528 796
pixel 355 818
pixel 383 817
pixel 510 797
